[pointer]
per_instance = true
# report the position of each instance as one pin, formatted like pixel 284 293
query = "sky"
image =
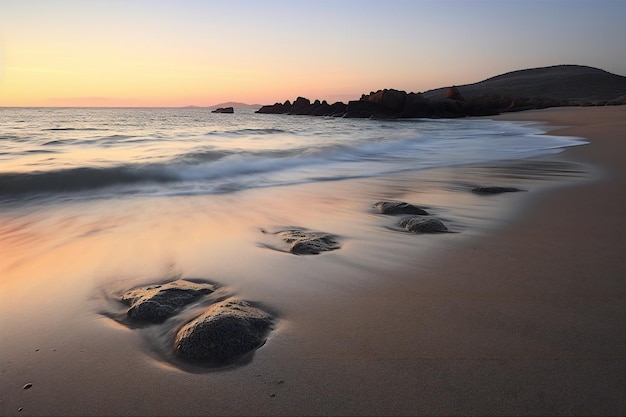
pixel 189 52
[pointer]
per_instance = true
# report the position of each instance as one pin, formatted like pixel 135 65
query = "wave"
pixel 248 131
pixel 77 179
pixel 86 129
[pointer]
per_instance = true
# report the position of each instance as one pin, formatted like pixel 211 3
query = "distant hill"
pixel 536 88
pixel 575 83
pixel 236 105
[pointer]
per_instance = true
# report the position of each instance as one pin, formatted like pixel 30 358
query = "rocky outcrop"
pixel 303 106
pixel 303 242
pixel 224 332
pixel 224 110
pixel 398 207
pixel 423 225
pixel 156 303
pixel 391 104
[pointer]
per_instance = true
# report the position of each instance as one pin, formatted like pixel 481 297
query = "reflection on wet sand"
pixel 61 262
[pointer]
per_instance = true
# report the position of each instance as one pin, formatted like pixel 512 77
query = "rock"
pixel 495 190
pixel 416 105
pixel 156 303
pixel 366 109
pixel 27 386
pixel 423 225
pixel 226 331
pixel 390 99
pixel 303 106
pixel 308 243
pixel 224 110
pixel 398 207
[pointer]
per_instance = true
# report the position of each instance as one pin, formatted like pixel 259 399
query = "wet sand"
pixel 520 312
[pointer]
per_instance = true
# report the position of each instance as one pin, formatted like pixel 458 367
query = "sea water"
pixel 48 154
pixel 94 202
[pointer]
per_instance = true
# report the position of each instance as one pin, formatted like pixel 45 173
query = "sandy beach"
pixel 519 312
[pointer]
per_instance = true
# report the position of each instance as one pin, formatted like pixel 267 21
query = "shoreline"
pixel 524 317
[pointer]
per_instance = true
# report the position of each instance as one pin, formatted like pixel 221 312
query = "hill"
pixel 536 88
pixel 236 105
pixel 573 83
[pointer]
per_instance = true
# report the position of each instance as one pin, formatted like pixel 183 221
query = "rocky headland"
pixel 538 88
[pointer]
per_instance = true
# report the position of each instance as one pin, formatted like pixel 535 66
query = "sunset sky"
pixel 192 52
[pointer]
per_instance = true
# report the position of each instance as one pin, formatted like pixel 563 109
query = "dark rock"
pixel 156 303
pixel 224 110
pixel 391 99
pixel 495 190
pixel 367 109
pixel 278 108
pixel 337 109
pixel 308 243
pixel 423 225
pixel 415 105
pixel 398 207
pixel 226 331
pixel 301 106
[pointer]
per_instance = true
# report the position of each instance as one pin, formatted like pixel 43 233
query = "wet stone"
pixel 224 332
pixel 307 242
pixel 423 225
pixel 156 303
pixel 495 190
pixel 398 207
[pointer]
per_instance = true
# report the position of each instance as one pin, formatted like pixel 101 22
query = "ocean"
pixel 50 154
pixel 95 202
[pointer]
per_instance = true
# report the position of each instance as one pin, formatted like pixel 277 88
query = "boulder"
pixel 398 207
pixel 390 99
pixel 224 332
pixel 423 225
pixel 156 303
pixel 495 190
pixel 301 106
pixel 307 242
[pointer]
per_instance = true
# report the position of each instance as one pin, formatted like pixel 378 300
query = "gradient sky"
pixel 192 52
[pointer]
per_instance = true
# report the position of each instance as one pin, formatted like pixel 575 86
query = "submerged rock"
pixel 398 207
pixel 226 331
pixel 423 225
pixel 495 190
pixel 156 303
pixel 308 243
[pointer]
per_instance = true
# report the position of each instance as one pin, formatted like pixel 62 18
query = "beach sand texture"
pixel 519 312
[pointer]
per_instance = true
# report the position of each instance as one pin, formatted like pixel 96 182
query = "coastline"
pixel 523 319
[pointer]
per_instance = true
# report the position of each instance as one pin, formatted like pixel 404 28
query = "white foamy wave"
pixel 155 151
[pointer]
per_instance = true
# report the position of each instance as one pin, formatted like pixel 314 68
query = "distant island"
pixel 236 105
pixel 537 88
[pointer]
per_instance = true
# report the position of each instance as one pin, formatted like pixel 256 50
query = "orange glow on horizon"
pixel 165 53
